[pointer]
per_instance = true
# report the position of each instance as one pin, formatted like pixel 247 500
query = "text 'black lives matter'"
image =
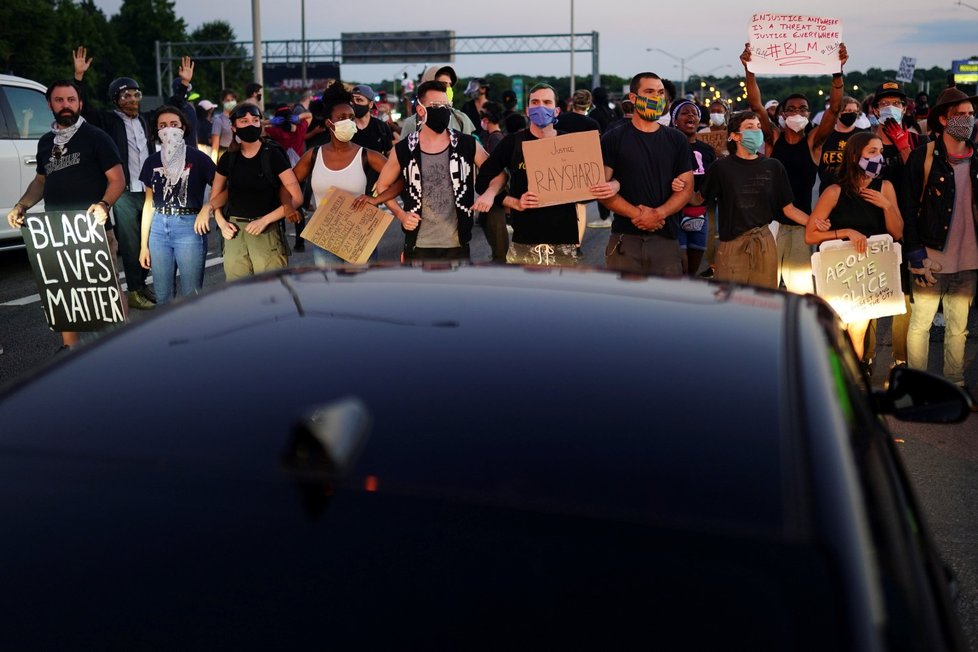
pixel 76 279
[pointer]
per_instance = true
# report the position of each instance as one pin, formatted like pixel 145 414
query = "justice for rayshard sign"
pixel 860 286
pixel 76 279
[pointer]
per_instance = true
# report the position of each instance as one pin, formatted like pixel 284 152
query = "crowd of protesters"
pixel 690 188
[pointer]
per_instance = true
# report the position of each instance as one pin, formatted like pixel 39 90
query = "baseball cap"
pixel 366 91
pixel 770 103
pixel 888 89
pixel 206 105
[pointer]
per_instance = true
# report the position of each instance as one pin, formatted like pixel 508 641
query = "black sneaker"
pixel 300 245
pixel 64 348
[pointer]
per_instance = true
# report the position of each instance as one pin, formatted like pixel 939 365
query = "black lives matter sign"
pixel 76 279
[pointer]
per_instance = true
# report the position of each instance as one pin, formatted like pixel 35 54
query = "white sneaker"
pixel 939 320
pixel 599 224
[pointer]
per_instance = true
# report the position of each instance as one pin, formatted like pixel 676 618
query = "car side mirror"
pixel 915 395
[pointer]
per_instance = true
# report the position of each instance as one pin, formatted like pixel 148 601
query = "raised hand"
pixel 186 70
pixel 81 63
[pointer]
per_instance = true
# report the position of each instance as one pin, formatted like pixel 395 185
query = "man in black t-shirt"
pixel 371 132
pixel 546 235
pixel 78 168
pixel 645 157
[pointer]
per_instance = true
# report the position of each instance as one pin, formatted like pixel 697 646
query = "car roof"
pixel 12 80
pixel 585 456
pixel 648 387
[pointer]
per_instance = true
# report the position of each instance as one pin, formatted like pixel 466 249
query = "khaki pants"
pixel 794 259
pixel 247 254
pixel 751 258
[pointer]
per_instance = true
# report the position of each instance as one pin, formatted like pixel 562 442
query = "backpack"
pixel 264 158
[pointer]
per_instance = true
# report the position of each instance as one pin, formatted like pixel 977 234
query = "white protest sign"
pixel 794 44
pixel 907 67
pixel 860 286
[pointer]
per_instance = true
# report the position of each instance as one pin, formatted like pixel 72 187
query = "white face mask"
pixel 171 136
pixel 796 122
pixel 718 119
pixel 344 130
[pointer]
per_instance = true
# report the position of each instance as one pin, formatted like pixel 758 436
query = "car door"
pixel 25 117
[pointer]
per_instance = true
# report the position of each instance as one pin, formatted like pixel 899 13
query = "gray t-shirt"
pixel 221 126
pixel 439 223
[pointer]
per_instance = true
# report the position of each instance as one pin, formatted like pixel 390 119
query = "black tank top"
pixel 857 213
pixel 801 169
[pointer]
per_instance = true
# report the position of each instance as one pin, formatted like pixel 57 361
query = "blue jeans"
pixel 956 292
pixel 173 245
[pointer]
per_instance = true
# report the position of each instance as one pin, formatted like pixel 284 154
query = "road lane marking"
pixel 34 298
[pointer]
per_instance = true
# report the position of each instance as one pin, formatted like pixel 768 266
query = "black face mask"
pixel 437 118
pixel 360 110
pixel 248 134
pixel 848 119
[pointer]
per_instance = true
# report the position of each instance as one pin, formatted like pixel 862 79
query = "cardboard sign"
pixel 73 267
pixel 715 139
pixel 561 170
pixel 792 44
pixel 907 67
pixel 860 286
pixel 350 234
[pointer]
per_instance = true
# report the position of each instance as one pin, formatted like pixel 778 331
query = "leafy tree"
pixel 207 73
pixel 27 39
pixel 77 22
pixel 139 25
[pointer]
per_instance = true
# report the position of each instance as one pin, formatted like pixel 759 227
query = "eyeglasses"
pixel 791 110
pixel 131 95
pixel 883 103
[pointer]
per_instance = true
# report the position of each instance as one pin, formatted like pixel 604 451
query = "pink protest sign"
pixel 793 44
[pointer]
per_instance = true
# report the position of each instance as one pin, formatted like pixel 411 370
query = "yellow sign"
pixel 352 234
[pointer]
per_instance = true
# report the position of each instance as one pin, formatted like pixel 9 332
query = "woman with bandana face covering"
pixel 751 192
pixel 175 178
pixel 861 205
pixel 340 163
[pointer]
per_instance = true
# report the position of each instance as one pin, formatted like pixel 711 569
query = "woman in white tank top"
pixel 339 162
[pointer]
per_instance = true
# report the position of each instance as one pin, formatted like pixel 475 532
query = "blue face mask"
pixel 894 112
pixel 541 116
pixel 752 139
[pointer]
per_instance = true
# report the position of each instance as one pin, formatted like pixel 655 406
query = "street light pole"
pixel 305 82
pixel 682 63
pixel 572 89
pixel 256 42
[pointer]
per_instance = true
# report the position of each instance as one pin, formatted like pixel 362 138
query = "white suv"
pixel 24 118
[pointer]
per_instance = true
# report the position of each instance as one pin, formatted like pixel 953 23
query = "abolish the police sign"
pixel 860 286
pixel 73 268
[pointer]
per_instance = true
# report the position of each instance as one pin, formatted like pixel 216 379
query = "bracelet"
pixel 104 203
pixel 837 75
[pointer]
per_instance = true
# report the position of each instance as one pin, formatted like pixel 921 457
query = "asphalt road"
pixel 942 460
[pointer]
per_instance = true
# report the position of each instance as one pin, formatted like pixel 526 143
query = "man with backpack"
pixel 254 188
pixel 939 216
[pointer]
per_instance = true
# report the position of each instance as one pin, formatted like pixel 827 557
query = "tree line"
pixel 37 37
